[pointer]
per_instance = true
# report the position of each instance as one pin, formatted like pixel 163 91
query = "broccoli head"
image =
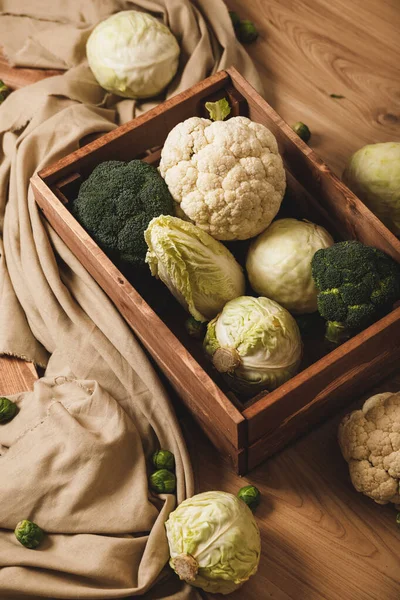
pixel 356 285
pixel 117 202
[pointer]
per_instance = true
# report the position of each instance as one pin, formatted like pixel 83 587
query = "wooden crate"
pixel 247 430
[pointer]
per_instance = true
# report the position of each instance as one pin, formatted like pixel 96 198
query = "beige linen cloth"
pixel 76 457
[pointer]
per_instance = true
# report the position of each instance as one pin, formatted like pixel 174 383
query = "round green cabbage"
pixel 255 343
pixel 132 54
pixel 214 542
pixel 197 269
pixel 373 174
pixel 279 263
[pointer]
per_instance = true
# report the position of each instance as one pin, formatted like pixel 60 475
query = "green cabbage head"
pixel 214 542
pixel 132 54
pixel 255 343
pixel 199 271
pixel 373 174
pixel 279 263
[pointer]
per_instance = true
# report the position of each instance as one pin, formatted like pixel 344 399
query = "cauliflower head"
pixel 227 177
pixel 370 442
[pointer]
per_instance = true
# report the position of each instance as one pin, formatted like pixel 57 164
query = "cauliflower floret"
pixel 227 177
pixel 370 442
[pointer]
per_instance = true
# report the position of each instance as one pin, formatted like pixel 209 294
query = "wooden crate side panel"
pixel 357 221
pixel 354 365
pixel 324 406
pixel 193 384
pixel 135 137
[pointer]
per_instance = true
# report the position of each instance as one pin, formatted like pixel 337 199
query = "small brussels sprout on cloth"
pixel 4 91
pixel 255 343
pixel 302 131
pixel 132 54
pixel 199 271
pixel 250 495
pixel 8 410
pixel 164 459
pixel 373 174
pixel 214 542
pixel 279 263
pixel 162 481
pixel 29 534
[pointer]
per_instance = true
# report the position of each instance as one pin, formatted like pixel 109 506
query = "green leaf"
pixel 219 110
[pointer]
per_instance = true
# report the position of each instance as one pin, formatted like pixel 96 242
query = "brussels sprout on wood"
pixel 29 534
pixel 250 495
pixel 302 131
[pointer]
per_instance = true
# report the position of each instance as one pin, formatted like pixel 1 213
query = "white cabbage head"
pixel 214 542
pixel 132 54
pixel 199 271
pixel 279 263
pixel 373 174
pixel 255 343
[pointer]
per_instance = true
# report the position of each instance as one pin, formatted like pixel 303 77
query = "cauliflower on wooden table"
pixel 370 442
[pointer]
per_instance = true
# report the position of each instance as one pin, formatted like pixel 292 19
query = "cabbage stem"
pixel 226 360
pixel 186 567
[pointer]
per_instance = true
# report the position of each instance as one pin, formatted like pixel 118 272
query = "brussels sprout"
pixel 195 329
pixel 398 519
pixel 246 32
pixel 29 534
pixel 302 131
pixel 8 410
pixel 4 91
pixel 162 481
pixel 234 18
pixel 251 495
pixel 219 110
pixel 164 459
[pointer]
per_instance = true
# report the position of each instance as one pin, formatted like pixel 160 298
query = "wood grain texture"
pixel 321 540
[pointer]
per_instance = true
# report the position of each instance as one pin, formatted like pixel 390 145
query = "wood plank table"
pixel 320 539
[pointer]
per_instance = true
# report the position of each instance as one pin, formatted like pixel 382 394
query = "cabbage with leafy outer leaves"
pixel 255 343
pixel 197 269
pixel 214 542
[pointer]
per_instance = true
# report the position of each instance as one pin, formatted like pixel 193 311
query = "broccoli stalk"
pixel 356 286
pixel 116 204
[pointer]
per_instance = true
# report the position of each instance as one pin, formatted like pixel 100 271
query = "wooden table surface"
pixel 320 539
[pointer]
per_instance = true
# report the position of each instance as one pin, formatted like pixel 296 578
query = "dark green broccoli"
pixel 116 204
pixel 356 286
